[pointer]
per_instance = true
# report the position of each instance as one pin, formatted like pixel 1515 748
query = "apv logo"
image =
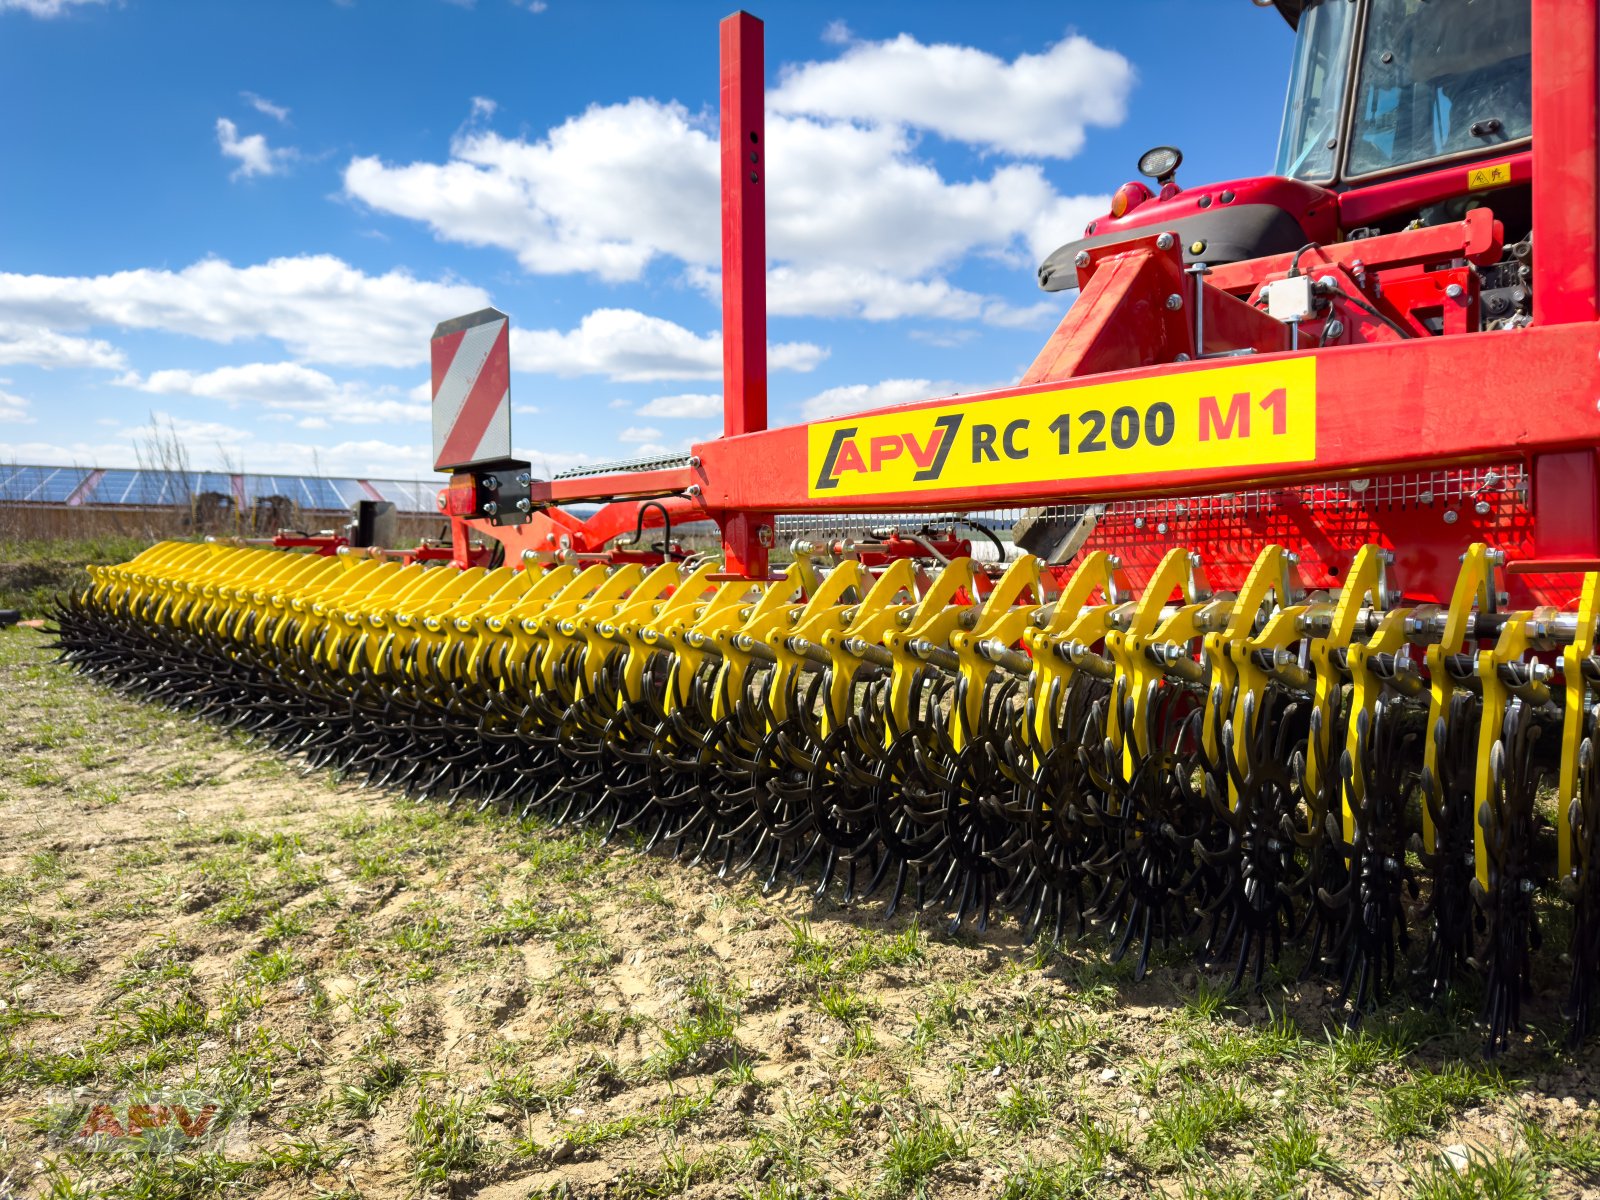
pixel 846 454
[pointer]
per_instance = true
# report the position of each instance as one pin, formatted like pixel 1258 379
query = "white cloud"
pixel 837 33
pixel 1037 104
pixel 526 410
pixel 571 202
pixel 254 155
pixel 266 107
pixel 838 290
pixel 482 108
pixel 318 306
pixel 626 345
pixel 859 397
pixel 14 410
pixel 943 338
pixel 45 8
pixel 637 433
pixel 610 191
pixel 696 405
pixel 287 387
pixel 37 346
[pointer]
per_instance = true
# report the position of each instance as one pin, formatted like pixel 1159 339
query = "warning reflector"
pixel 472 390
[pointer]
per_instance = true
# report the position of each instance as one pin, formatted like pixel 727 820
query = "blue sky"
pixel 245 219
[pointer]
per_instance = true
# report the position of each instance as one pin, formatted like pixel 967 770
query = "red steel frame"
pixel 1390 405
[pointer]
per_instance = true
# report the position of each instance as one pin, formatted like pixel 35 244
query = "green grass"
pixel 818 959
pixel 1292 1152
pixel 1427 1099
pixel 1042 1044
pixel 366 1095
pixel 843 1003
pixel 1486 1176
pixel 1184 1126
pixel 445 1136
pixel 916 1150
pixel 711 1019
pixel 1023 1108
pixel 1577 1152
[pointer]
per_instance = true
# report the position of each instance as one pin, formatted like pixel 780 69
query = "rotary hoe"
pixel 1258 618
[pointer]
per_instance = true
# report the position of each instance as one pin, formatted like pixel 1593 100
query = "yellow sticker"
pixel 1492 175
pixel 1251 414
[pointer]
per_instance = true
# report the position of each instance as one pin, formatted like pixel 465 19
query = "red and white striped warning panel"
pixel 472 390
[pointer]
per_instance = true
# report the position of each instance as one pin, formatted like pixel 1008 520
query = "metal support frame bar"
pixel 744 262
pixel 1391 406
pixel 1566 169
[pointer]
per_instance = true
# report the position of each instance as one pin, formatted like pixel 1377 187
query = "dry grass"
pixel 402 1000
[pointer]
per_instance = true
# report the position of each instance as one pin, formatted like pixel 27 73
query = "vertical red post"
pixel 1566 169
pixel 744 268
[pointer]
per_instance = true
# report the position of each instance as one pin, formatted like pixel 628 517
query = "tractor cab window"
pixel 1439 78
pixel 1316 90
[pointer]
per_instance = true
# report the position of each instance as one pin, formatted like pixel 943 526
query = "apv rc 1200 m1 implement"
pixel 1299 643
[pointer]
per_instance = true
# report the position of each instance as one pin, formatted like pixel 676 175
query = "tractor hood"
pixel 1218 223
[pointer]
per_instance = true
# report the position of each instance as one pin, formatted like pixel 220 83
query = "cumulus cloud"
pixel 46 8
pixel 254 156
pixel 859 397
pixel 839 290
pixel 639 433
pixel 265 107
pixel 14 409
pixel 318 306
pixel 629 346
pixel 614 189
pixel 837 33
pixel 287 387
pixel 36 346
pixel 1036 105
pixel 696 405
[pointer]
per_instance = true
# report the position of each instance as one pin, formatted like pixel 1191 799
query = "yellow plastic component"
pixel 1074 620
pixel 1572 658
pixel 1366 579
pixel 1474 590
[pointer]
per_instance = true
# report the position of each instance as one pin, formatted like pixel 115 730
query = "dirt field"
pixel 392 999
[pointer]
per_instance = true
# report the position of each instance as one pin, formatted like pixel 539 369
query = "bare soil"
pixel 395 998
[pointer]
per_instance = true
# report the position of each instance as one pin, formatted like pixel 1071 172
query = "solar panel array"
pixel 157 488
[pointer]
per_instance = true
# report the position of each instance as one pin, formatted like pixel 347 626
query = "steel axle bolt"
pixel 1081 259
pixel 1455 291
pixel 1164 242
pixel 1174 302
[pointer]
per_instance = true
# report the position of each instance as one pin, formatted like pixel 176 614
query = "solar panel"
pixel 155 488
pixel 40 485
pixel 408 497
pixel 142 487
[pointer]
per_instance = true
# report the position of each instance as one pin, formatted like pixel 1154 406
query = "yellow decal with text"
pixel 1251 414
pixel 1491 175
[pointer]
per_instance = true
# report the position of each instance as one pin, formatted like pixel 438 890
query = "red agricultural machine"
pixel 1290 632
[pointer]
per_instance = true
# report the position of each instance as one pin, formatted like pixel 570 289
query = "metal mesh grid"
pixel 665 462
pixel 1449 488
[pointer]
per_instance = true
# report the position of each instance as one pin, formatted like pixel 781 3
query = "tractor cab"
pixel 1399 112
